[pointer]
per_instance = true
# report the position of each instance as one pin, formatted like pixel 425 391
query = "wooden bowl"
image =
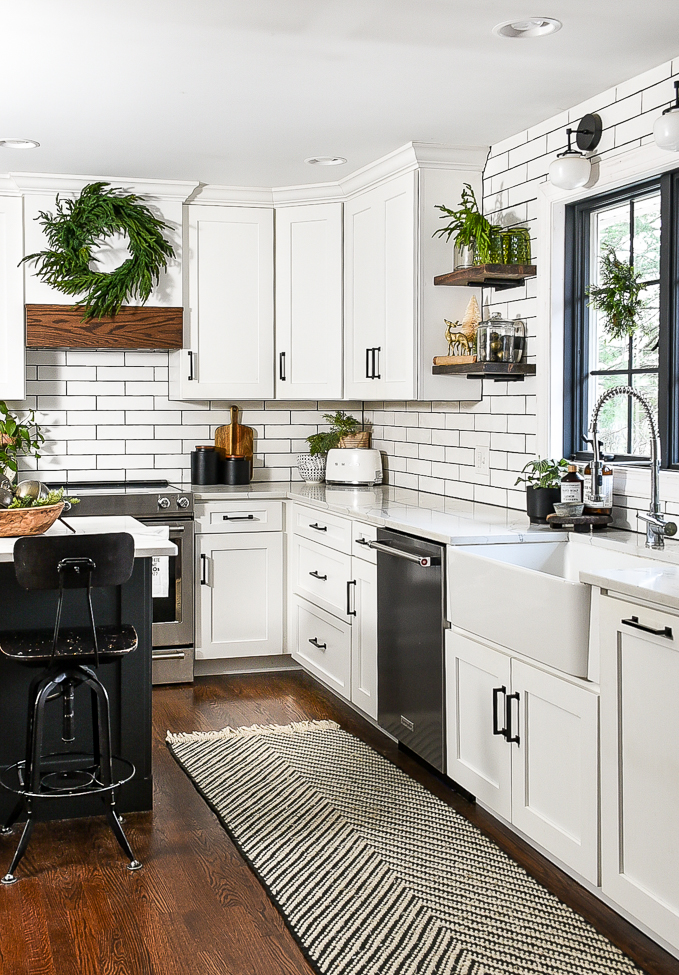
pixel 28 521
pixel 360 439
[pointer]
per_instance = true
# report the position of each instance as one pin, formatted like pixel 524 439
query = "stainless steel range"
pixel 162 504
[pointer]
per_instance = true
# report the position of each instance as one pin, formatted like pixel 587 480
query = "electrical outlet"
pixel 482 459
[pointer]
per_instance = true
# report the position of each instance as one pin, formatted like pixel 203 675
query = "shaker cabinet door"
pixel 380 251
pixel 309 302
pixel 477 684
pixel 640 763
pixel 12 338
pixel 229 331
pixel 363 603
pixel 239 595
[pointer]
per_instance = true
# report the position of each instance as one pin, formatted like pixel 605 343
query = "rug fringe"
pixel 253 730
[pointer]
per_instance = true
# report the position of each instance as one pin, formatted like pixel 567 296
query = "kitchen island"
pixel 127 680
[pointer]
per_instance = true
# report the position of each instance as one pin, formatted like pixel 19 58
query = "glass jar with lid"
pixel 499 340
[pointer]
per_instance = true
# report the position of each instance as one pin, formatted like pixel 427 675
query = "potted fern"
pixel 543 487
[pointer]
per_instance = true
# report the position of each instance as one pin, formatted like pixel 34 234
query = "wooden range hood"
pixel 134 327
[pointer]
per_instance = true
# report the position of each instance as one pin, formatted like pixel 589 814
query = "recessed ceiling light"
pixel 18 144
pixel 530 27
pixel 325 160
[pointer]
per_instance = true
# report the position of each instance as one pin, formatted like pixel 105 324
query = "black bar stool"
pixel 66 656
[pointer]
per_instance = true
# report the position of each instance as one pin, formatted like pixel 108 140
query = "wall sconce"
pixel 571 169
pixel 666 128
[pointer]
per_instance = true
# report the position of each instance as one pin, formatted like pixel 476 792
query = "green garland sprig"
pixel 619 296
pixel 79 225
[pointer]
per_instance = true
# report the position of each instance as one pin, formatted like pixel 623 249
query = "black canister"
pixel 205 465
pixel 234 470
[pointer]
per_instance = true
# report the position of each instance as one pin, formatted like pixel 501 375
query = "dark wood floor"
pixel 195 908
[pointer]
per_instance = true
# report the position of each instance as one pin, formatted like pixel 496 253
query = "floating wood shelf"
pixel 498 276
pixel 499 371
pixel 134 327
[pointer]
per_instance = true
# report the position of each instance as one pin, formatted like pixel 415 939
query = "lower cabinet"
pixel 239 604
pixel 524 742
pixel 321 643
pixel 364 636
pixel 640 762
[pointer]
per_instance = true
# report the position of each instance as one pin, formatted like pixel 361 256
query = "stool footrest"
pixel 12 777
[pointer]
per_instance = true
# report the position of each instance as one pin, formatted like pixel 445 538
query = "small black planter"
pixel 540 503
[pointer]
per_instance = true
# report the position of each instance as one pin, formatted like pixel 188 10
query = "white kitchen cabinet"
pixel 524 742
pixel 239 604
pixel 321 643
pixel 640 762
pixel 478 680
pixel 363 607
pixel 12 336
pixel 309 302
pixel 380 252
pixel 229 326
pixel 321 575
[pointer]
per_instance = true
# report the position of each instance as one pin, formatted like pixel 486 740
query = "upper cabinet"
pixel 228 329
pixel 394 317
pixel 12 343
pixel 380 291
pixel 309 302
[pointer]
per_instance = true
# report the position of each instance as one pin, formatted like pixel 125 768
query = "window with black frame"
pixel 639 225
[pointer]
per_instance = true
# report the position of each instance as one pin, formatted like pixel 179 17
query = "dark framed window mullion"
pixel 668 356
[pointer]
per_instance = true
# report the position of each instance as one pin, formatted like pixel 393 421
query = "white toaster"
pixel 353 465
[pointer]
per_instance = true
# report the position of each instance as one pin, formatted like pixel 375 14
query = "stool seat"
pixel 34 647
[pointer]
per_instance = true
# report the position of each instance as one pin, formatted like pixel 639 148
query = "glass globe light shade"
pixel 570 170
pixel 666 130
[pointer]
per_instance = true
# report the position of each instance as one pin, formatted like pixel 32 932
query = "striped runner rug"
pixel 372 873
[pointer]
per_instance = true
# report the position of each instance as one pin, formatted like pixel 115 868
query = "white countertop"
pixel 446 520
pixel 146 542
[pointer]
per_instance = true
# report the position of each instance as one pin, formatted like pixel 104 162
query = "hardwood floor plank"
pixel 196 908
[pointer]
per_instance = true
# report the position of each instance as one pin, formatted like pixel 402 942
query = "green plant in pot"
pixel 543 487
pixel 18 438
pixel 311 466
pixel 476 238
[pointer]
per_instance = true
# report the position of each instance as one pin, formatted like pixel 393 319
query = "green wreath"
pixel 79 225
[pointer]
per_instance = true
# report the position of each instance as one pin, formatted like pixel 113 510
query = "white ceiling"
pixel 240 91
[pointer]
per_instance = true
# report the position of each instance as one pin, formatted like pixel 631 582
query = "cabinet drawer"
pixel 360 535
pixel 320 575
pixel 322 527
pixel 322 645
pixel 243 516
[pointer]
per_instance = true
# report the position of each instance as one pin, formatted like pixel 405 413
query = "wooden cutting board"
pixel 235 440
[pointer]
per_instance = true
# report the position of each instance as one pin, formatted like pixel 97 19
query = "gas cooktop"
pixel 137 498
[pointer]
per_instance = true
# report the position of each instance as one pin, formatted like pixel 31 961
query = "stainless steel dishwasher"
pixel 410 627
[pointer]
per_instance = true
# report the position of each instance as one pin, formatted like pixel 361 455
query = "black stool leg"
pixel 102 747
pixel 12 818
pixel 9 877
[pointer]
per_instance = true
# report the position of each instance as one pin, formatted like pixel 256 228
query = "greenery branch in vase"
pixel 543 486
pixel 17 438
pixel 473 232
pixel 618 297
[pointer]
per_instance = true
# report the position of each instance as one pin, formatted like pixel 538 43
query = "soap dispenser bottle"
pixel 572 486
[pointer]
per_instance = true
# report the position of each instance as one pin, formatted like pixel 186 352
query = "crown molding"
pixel 212 194
pixel 40 183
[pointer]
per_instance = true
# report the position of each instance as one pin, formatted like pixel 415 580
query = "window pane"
pixel 612 230
pixel 647 237
pixel 641 434
pixel 646 338
pixel 613 415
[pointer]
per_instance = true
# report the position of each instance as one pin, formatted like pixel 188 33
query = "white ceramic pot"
pixel 311 467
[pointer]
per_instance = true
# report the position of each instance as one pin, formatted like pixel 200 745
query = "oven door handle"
pixel 176 530
pixel 424 560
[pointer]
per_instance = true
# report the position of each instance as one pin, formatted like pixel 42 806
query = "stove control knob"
pixel 163 502
pixel 183 502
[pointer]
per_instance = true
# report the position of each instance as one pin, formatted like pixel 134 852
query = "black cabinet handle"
pixel 508 719
pixel 350 611
pixel 321 646
pixel 497 730
pixel 367 363
pixel 376 362
pixel 192 374
pixel 363 541
pixel 317 576
pixel 203 570
pixel 319 528
pixel 238 517
pixel 663 631
pixel 281 366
